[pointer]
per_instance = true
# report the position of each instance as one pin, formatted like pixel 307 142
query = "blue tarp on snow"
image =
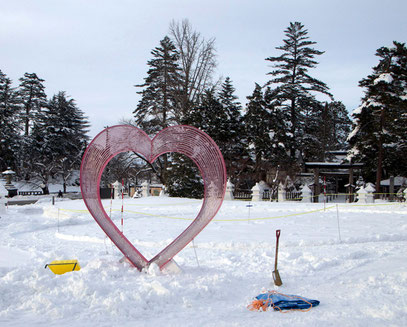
pixel 287 302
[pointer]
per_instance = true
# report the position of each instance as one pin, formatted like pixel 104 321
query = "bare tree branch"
pixel 197 60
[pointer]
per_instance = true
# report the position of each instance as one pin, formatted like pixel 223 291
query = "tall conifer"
pixel 157 108
pixel 234 150
pixel 291 80
pixel 32 97
pixel 378 136
pixel 59 138
pixel 9 110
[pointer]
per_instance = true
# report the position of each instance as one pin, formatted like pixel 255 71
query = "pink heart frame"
pixel 186 140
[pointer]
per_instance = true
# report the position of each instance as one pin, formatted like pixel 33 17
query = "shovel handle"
pixel 276 274
pixel 276 256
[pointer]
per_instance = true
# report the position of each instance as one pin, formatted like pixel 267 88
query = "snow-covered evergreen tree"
pixel 314 128
pixel 339 126
pixel 379 133
pixel 158 108
pixel 9 110
pixel 257 124
pixel 58 139
pixel 32 97
pixel 324 128
pixel 234 150
pixel 266 129
pixel 211 117
pixel 292 82
pixel 280 139
pixel 184 179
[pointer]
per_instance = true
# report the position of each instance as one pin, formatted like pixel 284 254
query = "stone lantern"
pixel 8 176
pixel 145 189
pixel 116 186
pixel 229 190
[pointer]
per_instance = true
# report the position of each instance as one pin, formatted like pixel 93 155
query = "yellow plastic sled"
pixel 60 267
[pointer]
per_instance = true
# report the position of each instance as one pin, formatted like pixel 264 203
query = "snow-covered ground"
pixel 352 260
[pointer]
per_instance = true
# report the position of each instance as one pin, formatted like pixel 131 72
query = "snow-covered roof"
pixel 398 181
pixel 332 165
pixel 8 172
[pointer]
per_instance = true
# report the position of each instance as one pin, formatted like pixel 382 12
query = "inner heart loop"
pixel 187 140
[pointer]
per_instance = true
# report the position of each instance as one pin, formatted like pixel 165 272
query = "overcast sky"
pixel 97 50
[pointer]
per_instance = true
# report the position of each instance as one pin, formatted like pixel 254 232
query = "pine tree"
pixel 280 139
pixel 292 80
pixel 59 138
pixel 9 110
pixel 324 127
pixel 234 151
pixel 33 99
pixel 157 108
pixel 257 124
pixel 211 117
pixel 339 127
pixel 184 179
pixel 266 129
pixel 378 136
pixel 313 131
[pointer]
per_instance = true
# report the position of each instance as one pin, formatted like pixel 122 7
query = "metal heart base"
pixel 186 140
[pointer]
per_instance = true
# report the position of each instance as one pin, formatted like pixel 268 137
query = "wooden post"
pixel 317 188
pixel 391 188
pixel 351 197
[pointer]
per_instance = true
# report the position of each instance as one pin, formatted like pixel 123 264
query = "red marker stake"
pixel 122 202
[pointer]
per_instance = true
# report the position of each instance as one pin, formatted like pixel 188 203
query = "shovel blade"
pixel 276 278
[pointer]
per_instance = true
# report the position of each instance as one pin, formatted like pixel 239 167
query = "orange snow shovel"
pixel 276 274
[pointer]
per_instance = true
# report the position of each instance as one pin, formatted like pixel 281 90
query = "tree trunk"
pixel 324 131
pixel 45 190
pixel 27 121
pixel 379 166
pixel 317 188
pixel 293 128
pixel 380 154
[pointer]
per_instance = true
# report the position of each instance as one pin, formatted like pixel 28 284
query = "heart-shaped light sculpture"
pixel 186 140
